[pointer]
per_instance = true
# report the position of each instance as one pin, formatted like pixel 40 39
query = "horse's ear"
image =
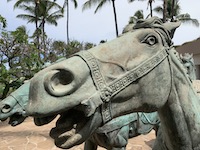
pixel 171 27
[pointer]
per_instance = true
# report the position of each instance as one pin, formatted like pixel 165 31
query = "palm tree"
pixel 47 16
pixel 164 10
pixel 173 13
pixel 42 16
pixel 151 9
pixel 66 4
pixel 132 20
pixel 34 16
pixel 149 4
pixel 173 4
pixel 20 35
pixel 39 12
pixel 100 4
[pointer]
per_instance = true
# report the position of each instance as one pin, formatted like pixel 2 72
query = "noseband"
pixel 106 91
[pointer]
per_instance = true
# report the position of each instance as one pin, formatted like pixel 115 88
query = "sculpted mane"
pixel 159 26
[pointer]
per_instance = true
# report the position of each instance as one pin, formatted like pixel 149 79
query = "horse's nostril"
pixel 59 82
pixel 6 108
pixel 62 78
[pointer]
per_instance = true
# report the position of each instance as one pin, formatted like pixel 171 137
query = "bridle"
pixel 106 91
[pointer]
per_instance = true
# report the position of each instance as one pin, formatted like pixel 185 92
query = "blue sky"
pixel 89 27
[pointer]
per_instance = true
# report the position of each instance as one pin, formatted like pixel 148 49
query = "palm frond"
pixel 130 1
pixel 26 8
pixel 100 5
pixel 3 21
pixel 30 18
pixel 158 9
pixel 20 2
pixel 185 18
pixel 89 4
pixel 139 14
pixel 75 3
pixel 52 5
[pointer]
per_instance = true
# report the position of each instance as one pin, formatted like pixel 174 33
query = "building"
pixel 192 47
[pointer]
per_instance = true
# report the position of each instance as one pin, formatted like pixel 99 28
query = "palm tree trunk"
pixel 67 23
pixel 172 17
pixel 37 28
pixel 164 10
pixel 36 24
pixel 151 11
pixel 43 35
pixel 115 16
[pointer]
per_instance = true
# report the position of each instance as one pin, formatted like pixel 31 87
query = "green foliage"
pixel 100 3
pixel 8 80
pixel 137 15
pixel 3 21
pixel 176 16
pixel 73 47
pixel 20 35
pixel 185 18
pixel 19 59
pixel 4 73
pixel 40 12
pixel 88 45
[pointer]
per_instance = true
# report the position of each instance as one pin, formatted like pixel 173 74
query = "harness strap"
pixel 148 120
pixel 121 83
pixel 18 101
pixel 102 96
pixel 117 123
pixel 92 63
pixel 106 92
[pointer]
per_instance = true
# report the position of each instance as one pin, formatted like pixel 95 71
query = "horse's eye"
pixel 151 40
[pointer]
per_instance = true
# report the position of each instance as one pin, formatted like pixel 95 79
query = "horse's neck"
pixel 180 116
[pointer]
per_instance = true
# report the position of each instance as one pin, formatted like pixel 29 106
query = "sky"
pixel 85 26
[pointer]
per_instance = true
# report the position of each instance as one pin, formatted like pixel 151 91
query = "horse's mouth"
pixel 72 128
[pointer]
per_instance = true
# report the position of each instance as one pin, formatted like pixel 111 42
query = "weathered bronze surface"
pixel 122 128
pixel 188 62
pixel 139 71
pixel 13 106
pixel 125 86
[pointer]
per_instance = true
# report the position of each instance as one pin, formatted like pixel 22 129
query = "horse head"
pixel 13 106
pixel 128 74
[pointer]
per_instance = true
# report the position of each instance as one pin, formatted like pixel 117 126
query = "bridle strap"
pixel 97 99
pixel 120 83
pixel 106 92
pixel 92 63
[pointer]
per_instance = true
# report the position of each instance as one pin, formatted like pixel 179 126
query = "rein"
pixel 106 91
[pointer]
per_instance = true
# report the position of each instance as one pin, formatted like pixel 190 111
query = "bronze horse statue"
pixel 133 124
pixel 135 72
pixel 70 130
pixel 13 106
